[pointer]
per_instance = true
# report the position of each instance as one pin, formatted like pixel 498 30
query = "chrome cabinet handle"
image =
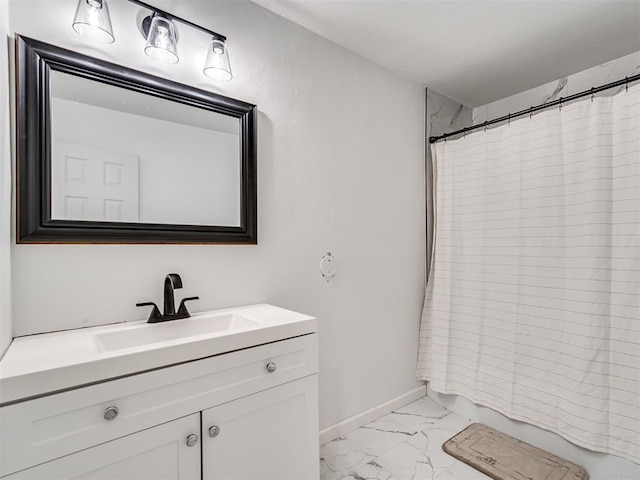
pixel 192 440
pixel 110 413
pixel 214 431
pixel 271 367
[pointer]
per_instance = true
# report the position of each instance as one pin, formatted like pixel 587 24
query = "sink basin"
pixel 36 365
pixel 151 333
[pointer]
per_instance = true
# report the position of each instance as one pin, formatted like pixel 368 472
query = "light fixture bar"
pixel 171 16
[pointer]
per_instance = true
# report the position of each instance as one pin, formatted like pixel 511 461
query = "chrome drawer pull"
pixel 192 440
pixel 214 431
pixel 110 413
pixel 271 367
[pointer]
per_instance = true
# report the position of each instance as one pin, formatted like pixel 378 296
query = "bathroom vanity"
pixel 230 394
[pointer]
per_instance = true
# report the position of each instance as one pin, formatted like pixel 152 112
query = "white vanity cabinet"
pixel 158 453
pixel 263 436
pixel 247 414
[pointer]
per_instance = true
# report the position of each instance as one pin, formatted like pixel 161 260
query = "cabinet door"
pixel 269 435
pixel 156 453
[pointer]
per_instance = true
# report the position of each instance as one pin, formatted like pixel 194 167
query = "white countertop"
pixel 40 364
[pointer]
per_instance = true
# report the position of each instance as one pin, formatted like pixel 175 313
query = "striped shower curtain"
pixel 533 301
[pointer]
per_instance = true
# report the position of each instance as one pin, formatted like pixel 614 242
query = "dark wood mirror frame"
pixel 34 62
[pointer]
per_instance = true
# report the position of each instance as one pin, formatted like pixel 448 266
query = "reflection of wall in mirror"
pixel 187 175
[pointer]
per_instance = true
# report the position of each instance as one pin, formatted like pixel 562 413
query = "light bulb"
pixel 217 66
pixel 161 40
pixel 93 22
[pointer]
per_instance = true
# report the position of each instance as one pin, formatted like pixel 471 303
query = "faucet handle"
pixel 155 312
pixel 182 309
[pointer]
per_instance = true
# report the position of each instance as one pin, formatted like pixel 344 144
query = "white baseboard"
pixel 361 419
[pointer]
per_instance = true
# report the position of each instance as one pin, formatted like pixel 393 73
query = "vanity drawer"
pixel 39 430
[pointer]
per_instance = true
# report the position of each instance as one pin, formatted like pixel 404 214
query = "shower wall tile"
pixel 536 96
pixel 443 115
pixel 607 72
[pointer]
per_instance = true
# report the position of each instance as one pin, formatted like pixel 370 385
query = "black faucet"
pixel 171 282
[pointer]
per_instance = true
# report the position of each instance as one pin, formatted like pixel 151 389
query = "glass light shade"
pixel 217 66
pixel 162 44
pixel 92 21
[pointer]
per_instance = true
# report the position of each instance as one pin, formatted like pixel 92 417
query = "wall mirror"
pixel 107 154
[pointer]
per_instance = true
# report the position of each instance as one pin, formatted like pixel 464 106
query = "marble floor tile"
pixel 445 467
pixel 420 414
pixel 410 459
pixel 403 445
pixel 341 455
pixel 328 472
pixel 381 435
pixel 445 428
pixel 459 471
pixel 370 471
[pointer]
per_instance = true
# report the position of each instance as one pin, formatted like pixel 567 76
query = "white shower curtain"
pixel 533 301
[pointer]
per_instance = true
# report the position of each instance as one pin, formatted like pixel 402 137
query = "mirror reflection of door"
pixel 189 164
pixel 94 184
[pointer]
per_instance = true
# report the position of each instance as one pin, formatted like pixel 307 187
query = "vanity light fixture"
pixel 217 66
pixel 162 43
pixel 92 21
pixel 160 30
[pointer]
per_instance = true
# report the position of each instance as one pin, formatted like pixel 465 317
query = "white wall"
pixel 340 169
pixel 5 184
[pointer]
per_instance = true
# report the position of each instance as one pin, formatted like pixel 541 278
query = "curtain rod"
pixel 529 111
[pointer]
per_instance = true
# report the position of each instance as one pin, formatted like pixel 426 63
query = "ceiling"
pixel 475 51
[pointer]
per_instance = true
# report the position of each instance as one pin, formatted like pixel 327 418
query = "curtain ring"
pixel 560 106
pixel 531 112
pixel 626 84
pixel 508 120
pixel 592 94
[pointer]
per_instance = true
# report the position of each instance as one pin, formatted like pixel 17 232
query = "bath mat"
pixel 503 457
